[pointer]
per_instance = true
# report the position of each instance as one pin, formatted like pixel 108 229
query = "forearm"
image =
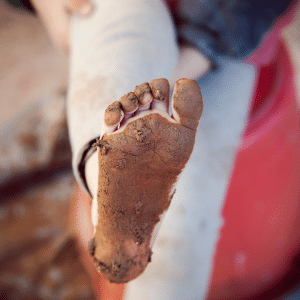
pixel 122 44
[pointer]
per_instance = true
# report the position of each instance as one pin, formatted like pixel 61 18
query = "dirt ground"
pixel 39 258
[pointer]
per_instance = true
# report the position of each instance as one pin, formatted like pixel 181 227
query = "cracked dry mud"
pixel 139 164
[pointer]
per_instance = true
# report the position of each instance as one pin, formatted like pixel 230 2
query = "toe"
pixel 160 89
pixel 113 114
pixel 112 117
pixel 187 104
pixel 129 103
pixel 144 95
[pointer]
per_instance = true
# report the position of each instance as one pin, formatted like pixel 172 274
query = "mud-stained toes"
pixel 144 95
pixel 113 114
pixel 135 188
pixel 160 89
pixel 112 117
pixel 187 103
pixel 129 103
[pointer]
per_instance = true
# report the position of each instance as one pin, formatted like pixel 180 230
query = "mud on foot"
pixel 141 154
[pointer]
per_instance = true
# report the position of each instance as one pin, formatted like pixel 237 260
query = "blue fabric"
pixel 232 28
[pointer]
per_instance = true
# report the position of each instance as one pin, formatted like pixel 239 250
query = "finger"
pixel 82 7
pixel 56 21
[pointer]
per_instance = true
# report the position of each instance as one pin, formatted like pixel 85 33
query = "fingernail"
pixel 86 9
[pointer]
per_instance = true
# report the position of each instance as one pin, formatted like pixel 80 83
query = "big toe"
pixel 187 103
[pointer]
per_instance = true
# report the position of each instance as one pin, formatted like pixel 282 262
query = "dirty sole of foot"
pixel 139 165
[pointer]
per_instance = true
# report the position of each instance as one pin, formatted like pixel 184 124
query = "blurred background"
pixel 38 255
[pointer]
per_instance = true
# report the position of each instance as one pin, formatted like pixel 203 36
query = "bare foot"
pixel 141 156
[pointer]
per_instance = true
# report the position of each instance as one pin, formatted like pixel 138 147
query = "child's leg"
pixel 122 44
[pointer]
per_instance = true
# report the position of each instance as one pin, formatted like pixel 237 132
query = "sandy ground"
pixel 38 257
pixel 29 64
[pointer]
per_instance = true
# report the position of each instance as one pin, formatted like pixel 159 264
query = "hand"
pixel 56 14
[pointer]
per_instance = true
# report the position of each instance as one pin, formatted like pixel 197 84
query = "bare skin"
pixel 139 164
pixel 56 15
